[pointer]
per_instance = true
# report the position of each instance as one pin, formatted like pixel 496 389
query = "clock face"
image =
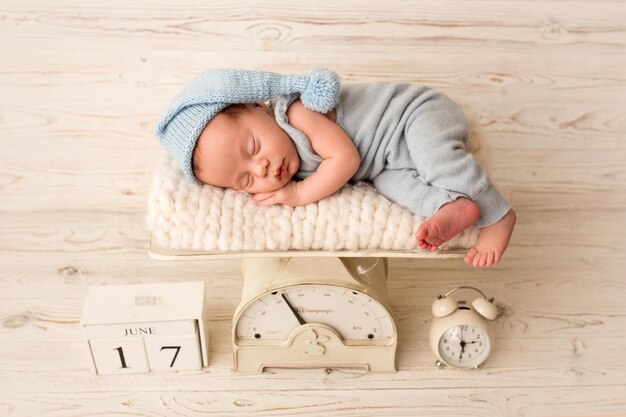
pixel 354 315
pixel 464 346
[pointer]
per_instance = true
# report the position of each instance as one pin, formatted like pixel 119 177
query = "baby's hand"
pixel 286 195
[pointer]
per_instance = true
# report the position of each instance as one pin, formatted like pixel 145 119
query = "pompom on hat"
pixel 209 93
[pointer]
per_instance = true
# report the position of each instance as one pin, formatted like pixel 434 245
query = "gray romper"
pixel 412 145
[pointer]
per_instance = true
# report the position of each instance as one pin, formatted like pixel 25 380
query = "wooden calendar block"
pixel 147 327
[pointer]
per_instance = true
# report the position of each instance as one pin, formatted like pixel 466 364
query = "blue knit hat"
pixel 209 93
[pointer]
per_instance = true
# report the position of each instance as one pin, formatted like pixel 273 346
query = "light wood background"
pixel 82 84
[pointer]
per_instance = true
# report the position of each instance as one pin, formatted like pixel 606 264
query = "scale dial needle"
pixel 293 310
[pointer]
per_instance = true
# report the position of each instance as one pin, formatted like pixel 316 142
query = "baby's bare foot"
pixel 492 242
pixel 450 220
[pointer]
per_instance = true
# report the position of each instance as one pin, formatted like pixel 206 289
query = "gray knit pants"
pixel 434 167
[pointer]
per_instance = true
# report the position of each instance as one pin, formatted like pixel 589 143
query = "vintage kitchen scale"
pixel 306 309
pixel 314 312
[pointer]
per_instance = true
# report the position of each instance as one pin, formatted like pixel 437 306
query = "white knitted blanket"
pixel 356 218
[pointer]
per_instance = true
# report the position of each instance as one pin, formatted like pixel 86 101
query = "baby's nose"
pixel 261 167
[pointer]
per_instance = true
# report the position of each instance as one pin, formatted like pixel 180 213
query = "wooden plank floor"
pixel 544 86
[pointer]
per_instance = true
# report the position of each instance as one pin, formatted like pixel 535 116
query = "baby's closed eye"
pixel 248 181
pixel 254 148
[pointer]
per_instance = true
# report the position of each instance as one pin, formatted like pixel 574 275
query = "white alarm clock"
pixel 302 312
pixel 460 335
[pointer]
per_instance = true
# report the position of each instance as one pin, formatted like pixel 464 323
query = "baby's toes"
pixel 469 256
pixel 496 257
pixel 480 258
pixel 422 232
pixel 486 257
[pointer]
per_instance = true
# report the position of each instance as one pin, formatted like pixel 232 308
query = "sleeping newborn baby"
pixel 315 136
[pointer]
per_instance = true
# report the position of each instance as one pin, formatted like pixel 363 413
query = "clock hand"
pixel 462 349
pixel 293 310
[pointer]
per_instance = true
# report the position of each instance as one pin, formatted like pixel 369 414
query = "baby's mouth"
pixel 279 172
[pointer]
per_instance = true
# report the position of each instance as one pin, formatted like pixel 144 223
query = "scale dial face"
pixel 354 315
pixel 464 346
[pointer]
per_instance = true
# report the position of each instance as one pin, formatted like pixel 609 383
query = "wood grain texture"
pixel 329 402
pixel 543 85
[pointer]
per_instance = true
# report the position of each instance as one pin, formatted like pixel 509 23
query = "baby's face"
pixel 251 153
